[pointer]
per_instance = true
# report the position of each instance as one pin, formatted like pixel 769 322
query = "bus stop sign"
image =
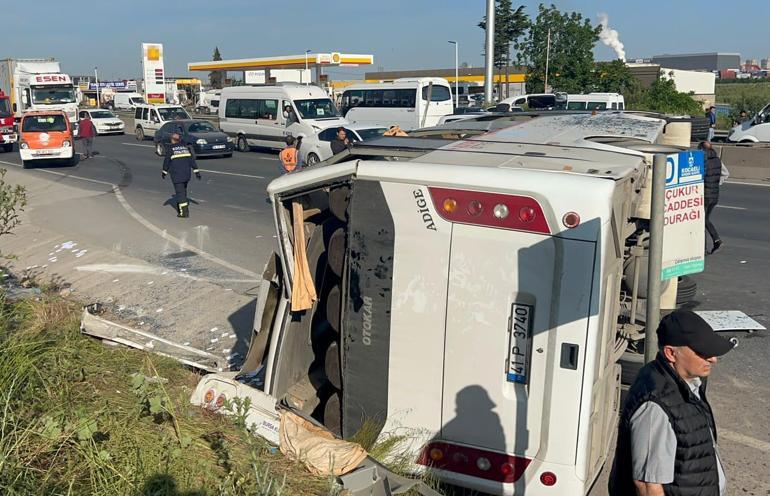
pixel 683 215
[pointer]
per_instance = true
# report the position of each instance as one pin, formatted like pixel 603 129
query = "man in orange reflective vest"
pixel 289 157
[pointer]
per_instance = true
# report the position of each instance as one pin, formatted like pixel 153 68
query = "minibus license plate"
pixel 519 334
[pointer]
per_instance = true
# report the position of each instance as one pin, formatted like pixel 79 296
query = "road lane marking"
pixel 152 227
pixel 231 174
pixel 138 144
pixel 64 175
pixel 747 184
pixel 163 234
pixel 243 209
pixel 151 270
pixel 745 440
pixel 731 207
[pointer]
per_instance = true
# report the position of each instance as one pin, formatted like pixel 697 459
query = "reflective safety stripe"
pixel 183 205
pixel 195 170
pixel 180 155
pixel 288 157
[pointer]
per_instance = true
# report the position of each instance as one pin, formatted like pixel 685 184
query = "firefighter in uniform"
pixel 179 162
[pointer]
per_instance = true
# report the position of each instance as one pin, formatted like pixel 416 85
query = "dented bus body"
pixel 471 298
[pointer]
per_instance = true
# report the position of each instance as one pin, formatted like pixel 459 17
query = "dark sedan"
pixel 200 136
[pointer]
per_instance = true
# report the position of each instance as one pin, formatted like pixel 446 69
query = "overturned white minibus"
pixel 469 293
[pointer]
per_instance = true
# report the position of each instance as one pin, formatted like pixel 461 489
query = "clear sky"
pixel 401 34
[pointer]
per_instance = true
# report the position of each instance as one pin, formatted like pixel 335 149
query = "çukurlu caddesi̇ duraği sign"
pixel 683 215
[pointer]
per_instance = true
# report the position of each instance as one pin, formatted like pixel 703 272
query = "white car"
pixel 318 147
pixel 105 122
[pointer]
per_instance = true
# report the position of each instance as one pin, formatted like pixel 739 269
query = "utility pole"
pixel 489 52
pixel 96 76
pixel 303 74
pixel 655 260
pixel 547 57
pixel 457 74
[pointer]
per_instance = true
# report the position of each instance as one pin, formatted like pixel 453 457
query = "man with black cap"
pixel 667 438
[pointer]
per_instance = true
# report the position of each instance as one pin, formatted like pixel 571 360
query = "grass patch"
pixel 79 418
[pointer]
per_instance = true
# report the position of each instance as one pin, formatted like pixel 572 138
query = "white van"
pixel 756 130
pixel 596 101
pixel 532 101
pixel 149 118
pixel 257 116
pixel 408 103
pixel 127 101
pixel 468 299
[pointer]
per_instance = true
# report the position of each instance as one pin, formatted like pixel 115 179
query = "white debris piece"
pixel 214 329
pixel 214 340
pixel 159 310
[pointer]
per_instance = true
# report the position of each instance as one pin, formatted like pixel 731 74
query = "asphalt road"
pixel 229 219
pixel 232 224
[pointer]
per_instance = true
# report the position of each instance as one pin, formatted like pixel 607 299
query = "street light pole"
pixel 457 74
pixel 489 51
pixel 303 75
pixel 96 75
pixel 547 57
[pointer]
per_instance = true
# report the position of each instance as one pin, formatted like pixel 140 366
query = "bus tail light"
pixel 473 462
pixel 520 213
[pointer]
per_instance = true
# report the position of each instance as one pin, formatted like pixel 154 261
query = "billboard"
pixel 152 69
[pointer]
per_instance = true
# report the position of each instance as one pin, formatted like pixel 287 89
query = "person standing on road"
pixel 711 115
pixel 667 437
pixel 180 164
pixel 711 182
pixel 341 142
pixel 289 157
pixel 86 132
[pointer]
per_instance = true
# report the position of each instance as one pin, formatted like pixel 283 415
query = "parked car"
pixel 150 118
pixel 200 136
pixel 45 135
pixel 105 122
pixel 317 147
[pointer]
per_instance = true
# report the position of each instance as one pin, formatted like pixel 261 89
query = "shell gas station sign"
pixel 154 76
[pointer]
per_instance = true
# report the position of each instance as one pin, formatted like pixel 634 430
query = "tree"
pixel 571 61
pixel 216 77
pixel 510 25
pixel 613 77
pixel 663 97
pixel 13 199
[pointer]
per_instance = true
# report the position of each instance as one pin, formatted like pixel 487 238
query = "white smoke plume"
pixel 611 38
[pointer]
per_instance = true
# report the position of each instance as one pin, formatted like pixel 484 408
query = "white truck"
pixel 473 297
pixel 38 84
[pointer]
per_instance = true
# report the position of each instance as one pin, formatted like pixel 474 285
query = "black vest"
pixel 713 173
pixel 695 469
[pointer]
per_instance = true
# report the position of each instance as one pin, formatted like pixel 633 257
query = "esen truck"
pixel 38 84
pixel 8 135
pixel 471 297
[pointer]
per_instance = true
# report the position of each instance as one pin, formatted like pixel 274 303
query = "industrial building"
pixel 715 61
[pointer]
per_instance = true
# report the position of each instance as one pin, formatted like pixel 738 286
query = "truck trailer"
pixel 38 84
